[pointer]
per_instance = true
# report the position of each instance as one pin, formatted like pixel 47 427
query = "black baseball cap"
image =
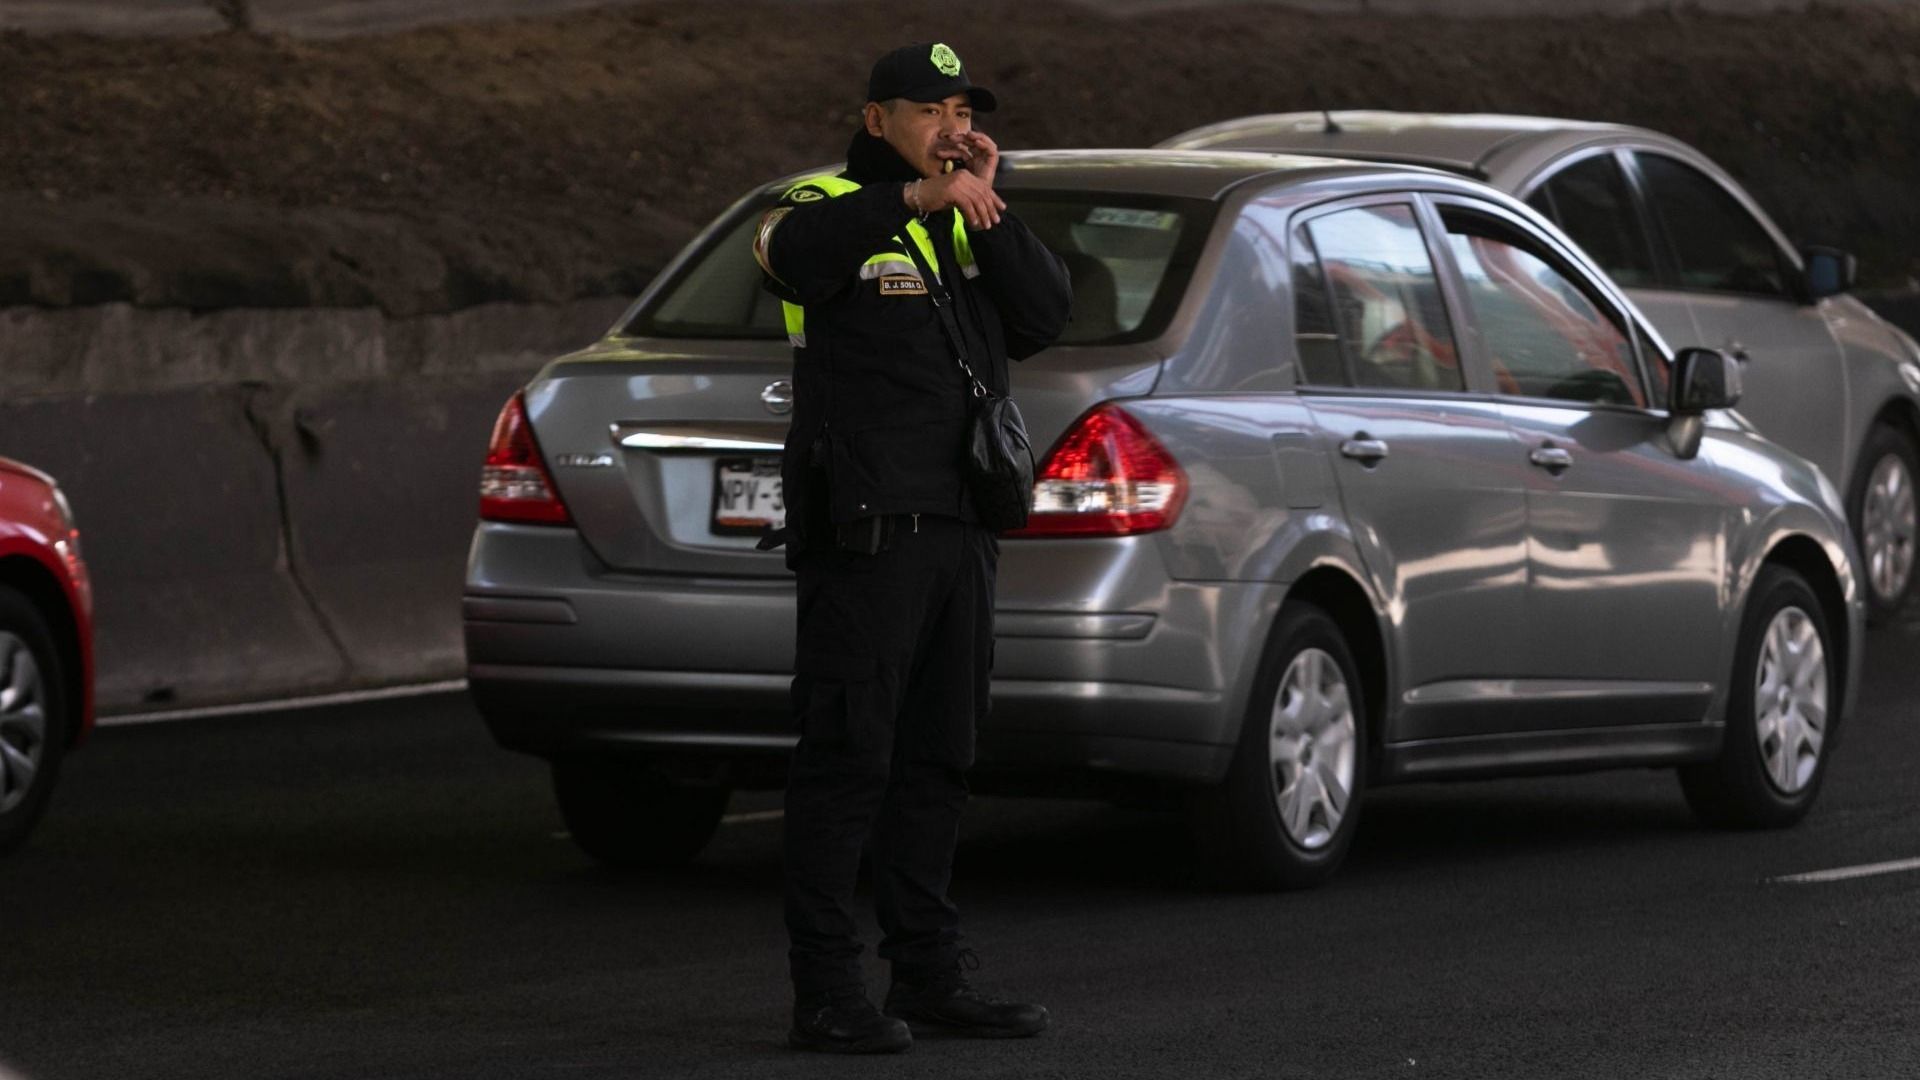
pixel 927 71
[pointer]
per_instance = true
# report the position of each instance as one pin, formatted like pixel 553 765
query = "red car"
pixel 46 645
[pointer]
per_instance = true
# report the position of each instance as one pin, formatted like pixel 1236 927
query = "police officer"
pixel 896 573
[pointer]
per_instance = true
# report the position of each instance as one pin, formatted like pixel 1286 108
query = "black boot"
pixel 845 1022
pixel 944 999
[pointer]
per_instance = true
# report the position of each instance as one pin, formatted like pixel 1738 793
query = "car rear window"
pixel 1385 304
pixel 1130 258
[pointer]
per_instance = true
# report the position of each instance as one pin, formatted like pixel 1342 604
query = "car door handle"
pixel 1552 458
pixel 1364 450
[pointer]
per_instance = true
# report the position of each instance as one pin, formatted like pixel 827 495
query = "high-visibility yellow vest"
pixel 885 263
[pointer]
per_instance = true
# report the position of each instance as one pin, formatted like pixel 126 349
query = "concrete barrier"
pixel 180 523
pixel 122 349
pixel 382 492
pixel 295 519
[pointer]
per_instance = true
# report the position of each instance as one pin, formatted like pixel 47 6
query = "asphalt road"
pixel 377 892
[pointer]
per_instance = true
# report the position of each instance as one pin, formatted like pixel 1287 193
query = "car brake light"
pixel 515 485
pixel 1106 477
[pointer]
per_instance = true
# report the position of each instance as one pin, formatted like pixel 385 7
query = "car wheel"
pixel 33 717
pixel 1885 517
pixel 1286 814
pixel 625 815
pixel 1780 712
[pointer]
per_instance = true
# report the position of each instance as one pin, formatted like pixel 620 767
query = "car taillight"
pixel 515 485
pixel 1106 477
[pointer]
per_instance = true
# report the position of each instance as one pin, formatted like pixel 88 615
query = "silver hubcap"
pixel 23 720
pixel 1790 700
pixel 1887 527
pixel 1310 748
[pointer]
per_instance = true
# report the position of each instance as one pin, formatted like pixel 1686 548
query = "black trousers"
pixel 892 666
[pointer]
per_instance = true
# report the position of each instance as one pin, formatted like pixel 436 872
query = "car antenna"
pixel 1332 127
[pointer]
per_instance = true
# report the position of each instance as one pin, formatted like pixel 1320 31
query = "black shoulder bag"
pixel 998 462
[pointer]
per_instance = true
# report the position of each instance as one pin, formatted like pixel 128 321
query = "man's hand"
pixel 962 188
pixel 981 153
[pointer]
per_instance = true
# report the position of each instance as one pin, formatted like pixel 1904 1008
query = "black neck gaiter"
pixel 871 161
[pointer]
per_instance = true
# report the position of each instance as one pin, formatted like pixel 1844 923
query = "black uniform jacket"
pixel 880 404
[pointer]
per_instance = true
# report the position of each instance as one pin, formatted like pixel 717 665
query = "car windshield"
pixel 1130 258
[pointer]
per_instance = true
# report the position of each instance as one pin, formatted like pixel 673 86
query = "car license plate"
pixel 747 496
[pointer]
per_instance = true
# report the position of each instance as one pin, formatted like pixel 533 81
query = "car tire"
pixel 1885 517
pixel 34 720
pixel 625 815
pixel 1278 821
pixel 1781 715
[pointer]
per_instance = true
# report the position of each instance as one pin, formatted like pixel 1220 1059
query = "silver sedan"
pixel 1358 474
pixel 1825 377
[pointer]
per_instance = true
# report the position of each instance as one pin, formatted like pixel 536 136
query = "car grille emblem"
pixel 778 397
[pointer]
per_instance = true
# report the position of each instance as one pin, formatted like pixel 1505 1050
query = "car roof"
pixel 1460 142
pixel 1188 174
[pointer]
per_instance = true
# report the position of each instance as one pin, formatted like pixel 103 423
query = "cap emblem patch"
pixel 946 60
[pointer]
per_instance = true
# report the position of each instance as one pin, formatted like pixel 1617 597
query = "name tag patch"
pixel 902 285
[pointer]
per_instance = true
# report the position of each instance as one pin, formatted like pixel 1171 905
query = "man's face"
pixel 923 132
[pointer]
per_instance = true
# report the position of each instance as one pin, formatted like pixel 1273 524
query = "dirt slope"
pixel 569 156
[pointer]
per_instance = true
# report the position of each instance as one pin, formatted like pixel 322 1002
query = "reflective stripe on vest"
pixel 882 264
pixel 889 264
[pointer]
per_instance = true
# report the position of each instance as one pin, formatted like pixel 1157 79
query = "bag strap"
pixel 943 306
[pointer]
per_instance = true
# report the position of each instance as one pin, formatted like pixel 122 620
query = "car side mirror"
pixel 1704 379
pixel 1830 271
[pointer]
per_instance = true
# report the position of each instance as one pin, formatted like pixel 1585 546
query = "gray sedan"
pixel 1825 377
pixel 1358 474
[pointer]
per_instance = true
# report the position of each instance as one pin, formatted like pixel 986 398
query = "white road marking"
pixel 757 815
pixel 349 697
pixel 1846 873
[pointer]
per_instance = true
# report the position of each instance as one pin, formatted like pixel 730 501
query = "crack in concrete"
pixel 259 400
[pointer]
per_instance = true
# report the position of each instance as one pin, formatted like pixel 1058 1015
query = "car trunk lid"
pixel 655 445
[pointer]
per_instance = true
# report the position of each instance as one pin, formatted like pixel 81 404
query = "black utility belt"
pixel 873 534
